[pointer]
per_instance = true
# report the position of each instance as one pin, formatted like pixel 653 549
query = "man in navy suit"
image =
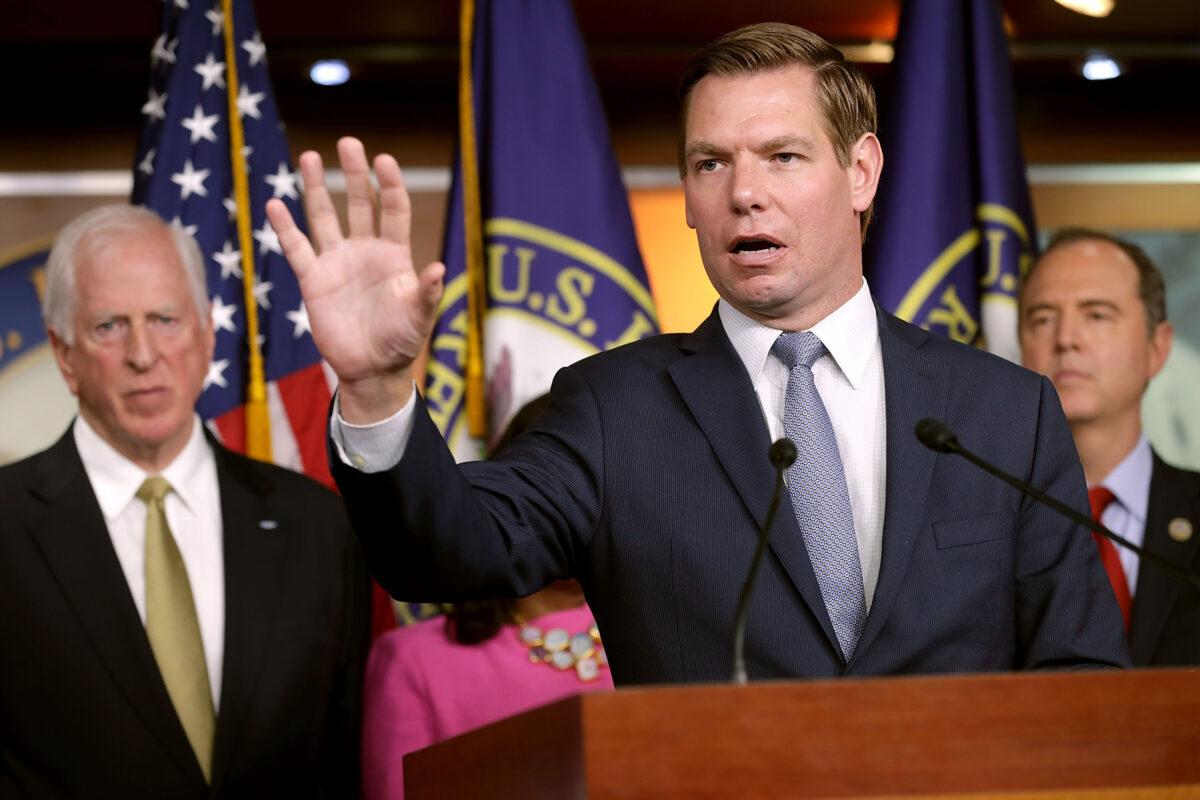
pixel 648 477
pixel 1094 320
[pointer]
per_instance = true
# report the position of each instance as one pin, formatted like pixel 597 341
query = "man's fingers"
pixel 395 219
pixel 360 195
pixel 322 216
pixel 296 247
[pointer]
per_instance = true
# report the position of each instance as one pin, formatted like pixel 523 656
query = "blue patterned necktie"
pixel 817 487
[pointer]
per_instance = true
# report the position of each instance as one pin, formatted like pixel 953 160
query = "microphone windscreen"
pixel 782 453
pixel 936 436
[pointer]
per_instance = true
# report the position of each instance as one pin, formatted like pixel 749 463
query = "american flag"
pixel 184 172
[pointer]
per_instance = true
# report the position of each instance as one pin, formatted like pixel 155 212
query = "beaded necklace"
pixel 562 650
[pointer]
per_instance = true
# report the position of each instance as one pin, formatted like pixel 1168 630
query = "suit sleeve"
pixel 436 531
pixel 1066 614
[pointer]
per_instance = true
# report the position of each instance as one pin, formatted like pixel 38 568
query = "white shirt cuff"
pixel 376 447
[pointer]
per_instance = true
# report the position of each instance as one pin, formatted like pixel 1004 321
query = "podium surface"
pixel 1129 734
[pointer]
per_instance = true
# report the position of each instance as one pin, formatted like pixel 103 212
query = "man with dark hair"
pixel 179 621
pixel 647 479
pixel 1093 318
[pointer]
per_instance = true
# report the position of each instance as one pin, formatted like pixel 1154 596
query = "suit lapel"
pixel 915 386
pixel 254 563
pixel 713 383
pixel 1172 494
pixel 73 538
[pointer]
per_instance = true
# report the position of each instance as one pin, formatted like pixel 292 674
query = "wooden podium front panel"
pixel 1052 735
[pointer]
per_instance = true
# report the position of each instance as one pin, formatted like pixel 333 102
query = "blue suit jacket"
pixel 648 478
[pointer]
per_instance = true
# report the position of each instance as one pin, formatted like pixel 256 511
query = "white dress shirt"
pixel 193 509
pixel 1126 514
pixel 849 378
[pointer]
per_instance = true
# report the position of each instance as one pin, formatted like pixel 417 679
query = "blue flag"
pixel 954 230
pixel 184 171
pixel 564 278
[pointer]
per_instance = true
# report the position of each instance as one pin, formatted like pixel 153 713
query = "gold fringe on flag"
pixel 473 227
pixel 258 419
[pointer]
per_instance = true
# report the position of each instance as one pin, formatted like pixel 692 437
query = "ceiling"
pixel 81 65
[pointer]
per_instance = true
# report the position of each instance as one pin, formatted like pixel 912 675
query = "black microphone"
pixel 782 455
pixel 938 437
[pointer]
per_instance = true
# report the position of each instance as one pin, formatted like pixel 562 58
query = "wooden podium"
pixel 1046 735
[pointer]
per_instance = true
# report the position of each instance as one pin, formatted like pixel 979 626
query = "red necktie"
pixel 1099 498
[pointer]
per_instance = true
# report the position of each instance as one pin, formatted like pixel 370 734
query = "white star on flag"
pixel 284 182
pixel 222 315
pixel 268 240
pixel 190 230
pixel 163 50
pixel 230 261
pixel 191 181
pixel 217 18
pixel 255 48
pixel 216 374
pixel 146 166
pixel 247 102
pixel 181 4
pixel 230 208
pixel 212 71
pixel 155 105
pixel 299 318
pixel 200 125
pixel 261 290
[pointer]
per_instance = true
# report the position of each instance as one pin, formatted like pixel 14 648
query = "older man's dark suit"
pixel 1165 628
pixel 83 711
pixel 648 476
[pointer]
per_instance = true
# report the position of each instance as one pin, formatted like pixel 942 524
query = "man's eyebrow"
pixel 788 141
pixel 701 148
pixel 1043 306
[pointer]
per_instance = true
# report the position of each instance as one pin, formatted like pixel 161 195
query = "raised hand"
pixel 370 310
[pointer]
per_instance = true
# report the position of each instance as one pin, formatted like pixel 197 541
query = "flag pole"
pixel 472 227
pixel 258 421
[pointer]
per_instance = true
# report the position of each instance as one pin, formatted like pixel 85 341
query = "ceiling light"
pixel 1099 67
pixel 330 72
pixel 1091 8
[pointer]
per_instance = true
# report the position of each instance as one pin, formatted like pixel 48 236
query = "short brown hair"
pixel 844 94
pixel 1151 289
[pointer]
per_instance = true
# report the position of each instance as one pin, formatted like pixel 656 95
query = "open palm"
pixel 371 311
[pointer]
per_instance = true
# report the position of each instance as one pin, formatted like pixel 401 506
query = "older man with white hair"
pixel 180 621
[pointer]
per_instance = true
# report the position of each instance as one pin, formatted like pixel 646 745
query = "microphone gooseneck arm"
pixel 782 455
pixel 938 437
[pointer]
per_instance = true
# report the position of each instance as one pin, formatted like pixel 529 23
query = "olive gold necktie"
pixel 173 628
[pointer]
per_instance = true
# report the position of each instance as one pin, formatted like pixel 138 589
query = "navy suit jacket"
pixel 1165 627
pixel 648 478
pixel 83 710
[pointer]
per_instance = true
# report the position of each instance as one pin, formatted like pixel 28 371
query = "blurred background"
pixel 1121 154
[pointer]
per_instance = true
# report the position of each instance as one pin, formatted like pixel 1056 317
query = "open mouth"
pixel 754 245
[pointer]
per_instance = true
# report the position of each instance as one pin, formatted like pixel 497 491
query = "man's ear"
pixel 1160 347
pixel 62 351
pixel 866 165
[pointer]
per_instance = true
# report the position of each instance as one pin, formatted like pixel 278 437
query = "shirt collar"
pixel 115 479
pixel 841 332
pixel 1130 480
